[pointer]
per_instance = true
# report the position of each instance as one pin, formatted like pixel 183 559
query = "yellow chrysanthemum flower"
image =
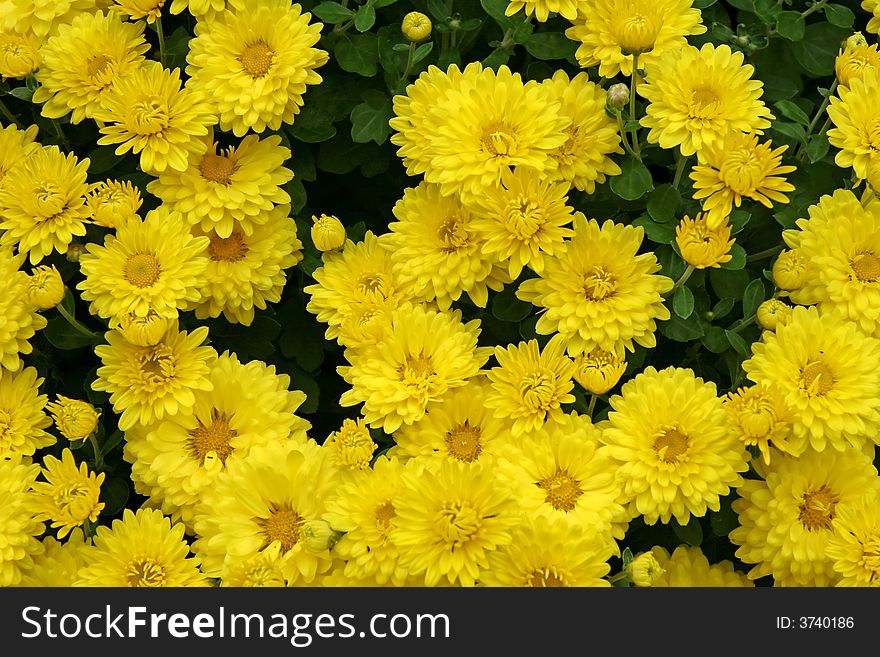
pixel 154 264
pixel 600 291
pixel 360 277
pixel 856 59
pixel 530 384
pixel 760 416
pixel 790 269
pixel 687 566
pixel 701 246
pixel 143 549
pixel 547 553
pixel 854 548
pixel 856 118
pixel 448 520
pixel 424 354
pixel 75 419
pixel 542 8
pixel 610 31
pixel 45 289
pixel 696 96
pixel 112 203
pixel 592 137
pixel 41 17
pixel 58 564
pixel 142 331
pixel 254 63
pixel 176 460
pixel 69 495
pixel 137 9
pixel 675 451
pixel 201 9
pixel 437 250
pixel 351 447
pixel 787 519
pixel 42 203
pixel 644 569
pixel 18 527
pixel 83 60
pixel 147 384
pixel 597 371
pixel 363 508
pixel 873 8
pixel 233 188
pixel 15 146
pixel 562 472
pixel 263 500
pixel 458 426
pixel 521 219
pixel 248 271
pixel 21 320
pixel 22 418
pixel 148 113
pixel 19 54
pixel 840 242
pixel 735 167
pixel 261 570
pixel 829 374
pixel 772 313
pixel 327 232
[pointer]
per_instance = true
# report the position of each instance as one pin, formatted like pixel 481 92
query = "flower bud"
pixel 112 203
pixel 317 535
pixel 19 55
pixel 701 246
pixel 789 270
pixel 644 570
pixel 74 251
pixel 74 419
pixel 328 233
pixel 618 96
pixel 45 289
pixel 773 313
pixel 142 331
pixel 598 371
pixel 416 26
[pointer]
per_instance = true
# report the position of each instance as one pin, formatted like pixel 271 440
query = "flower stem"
pixel 409 60
pixel 632 105
pixel 99 457
pixel 743 323
pixel 161 36
pixel 74 323
pixel 769 253
pixel 9 115
pixel 816 118
pixel 592 406
pixel 679 170
pixel 623 138
pixel 684 278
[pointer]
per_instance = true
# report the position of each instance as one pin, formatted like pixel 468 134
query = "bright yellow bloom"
pixel 584 159
pixel 438 251
pixel 873 8
pixel 41 17
pixel 142 331
pixel 701 246
pixel 45 289
pixel 521 219
pixel 675 452
pixel 610 31
pixel 83 60
pixel 232 188
pixel 856 132
pixel 112 203
pixel 19 54
pixel 327 233
pixel 530 384
pixel 143 549
pixel 854 548
pixel 15 146
pixel 201 9
pixel 20 318
pixel 254 61
pixel 261 570
pixel 856 59
pixel 542 8
pixel 137 9
pixel 75 419
pixel 696 96
pixel 42 203
pixel 149 383
pixel 760 416
pixel 69 495
pixel 447 521
pixel 351 447
pixel 423 355
pixel 790 270
pixel 644 569
pixel 687 566
pixel 736 167
pixel 154 264
pixel 58 564
pixel 148 113
pixel 787 519
pixel 416 26
pixel 600 291
pixel 772 313
pixel 22 418
pixel 597 371
pixel 18 527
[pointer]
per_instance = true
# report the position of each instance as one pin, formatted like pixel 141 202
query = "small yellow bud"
pixel 74 419
pixel 618 96
pixel 45 289
pixel 19 54
pixel 142 331
pixel 773 313
pixel 328 233
pixel 701 246
pixel 598 371
pixel 855 40
pixel 644 570
pixel 113 203
pixel 74 251
pixel 416 26
pixel 789 270
pixel 318 535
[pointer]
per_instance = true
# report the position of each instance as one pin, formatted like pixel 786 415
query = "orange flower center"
pixel 671 445
pixel 817 508
pixel 562 490
pixel 217 168
pixel 598 284
pixel 227 249
pixel 498 142
pixel 463 442
pixel 142 270
pixel 96 65
pixel 145 572
pixel 215 437
pixel 545 577
pixel 866 267
pixel 817 379
pixel 257 59
pixel 384 513
pixel 284 525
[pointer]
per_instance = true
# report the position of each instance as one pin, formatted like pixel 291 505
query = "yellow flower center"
pixel 524 218
pixel 453 234
pixel 742 170
pixel 373 284
pixel 145 572
pixel 537 390
pixel 546 577
pixel 227 249
pixel 866 267
pixel 463 442
pixel 150 115
pixel 384 513
pixel 75 501
pixel 757 417
pixel 671 445
pixel 416 370
pixel 458 523
pixel 217 168
pixel 598 284
pixel 816 510
pixel 142 270
pixel 156 366
pixel 215 437
pixel 256 59
pixel 817 379
pixel 704 104
pixel 636 33
pixel 283 525
pixel 498 142
pixel 562 490
pixel 49 198
pixel 870 559
pixel 97 64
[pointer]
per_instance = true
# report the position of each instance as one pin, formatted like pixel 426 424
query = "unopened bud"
pixel 75 419
pixel 328 233
pixel 789 270
pixel 618 96
pixel 74 251
pixel 142 331
pixel 317 535
pixel 416 26
pixel 45 289
pixel 644 570
pixel 771 313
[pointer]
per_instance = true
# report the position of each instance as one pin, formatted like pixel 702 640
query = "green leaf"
pixel 365 18
pixel 550 45
pixel 715 340
pixel 839 15
pixel 496 9
pixel 744 5
pixel 663 203
pixel 378 4
pixel 738 220
pixel 791 25
pixel 703 4
pixel 422 51
pixel 767 10
pixel 817 148
pixel 691 533
pixel 791 111
pixel 723 307
pixel 657 233
pixel 358 53
pixel 681 330
pixel 496 58
pixel 332 12
pixel 792 130
pixel 633 182
pixel 22 93
pixel 752 297
pixel 737 259
pixel 437 9
pixel 62 335
pixel 736 341
pixel 369 121
pixel 114 495
pixel 683 302
pixel 102 159
pixel 818 49
pixel 724 520
pixel 505 306
pixel 727 283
